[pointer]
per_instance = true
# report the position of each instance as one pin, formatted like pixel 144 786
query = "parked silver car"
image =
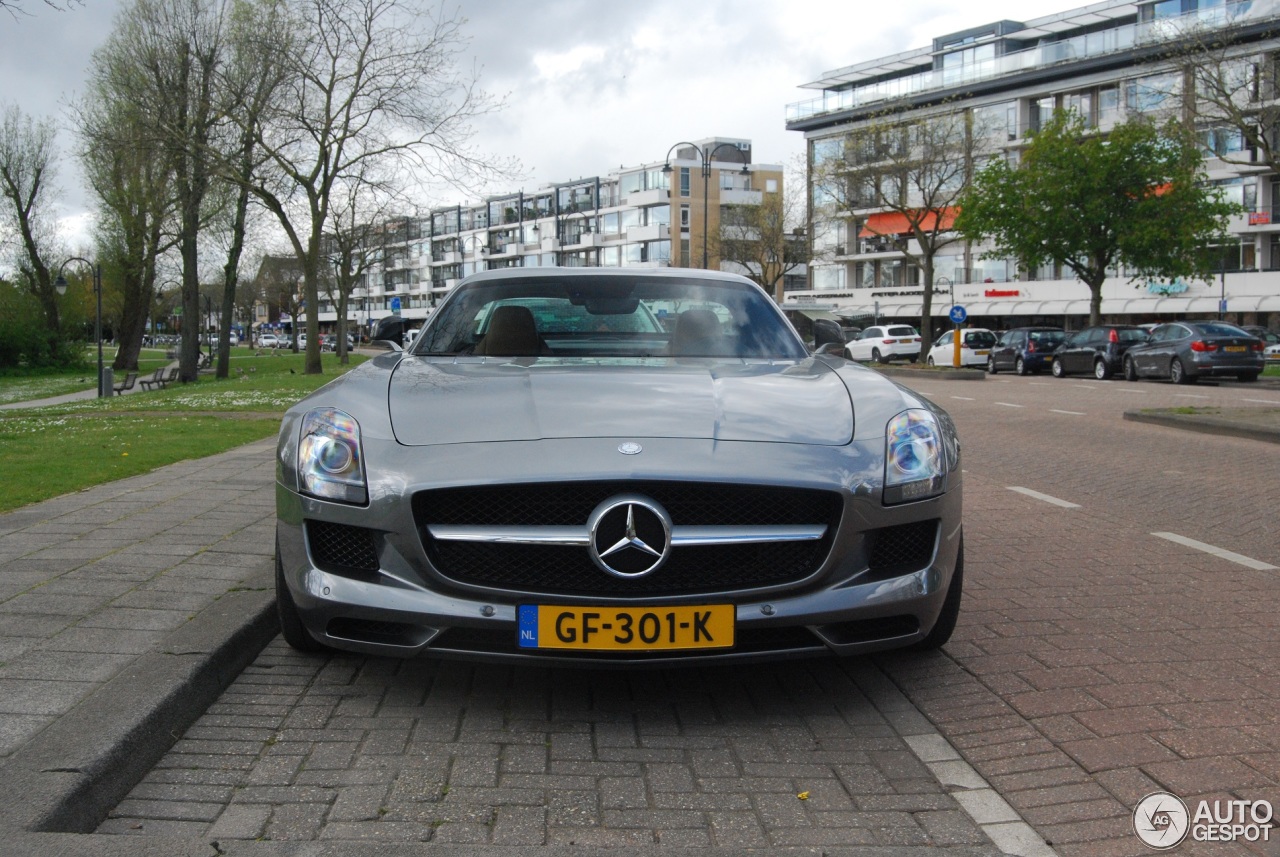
pixel 1185 351
pixel 586 465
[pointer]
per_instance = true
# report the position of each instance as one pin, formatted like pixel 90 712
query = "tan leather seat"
pixel 512 333
pixel 697 333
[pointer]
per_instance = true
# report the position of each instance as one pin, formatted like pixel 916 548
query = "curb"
pixel 66 779
pixel 1205 424
pixel 943 374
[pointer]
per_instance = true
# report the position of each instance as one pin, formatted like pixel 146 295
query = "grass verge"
pixel 62 448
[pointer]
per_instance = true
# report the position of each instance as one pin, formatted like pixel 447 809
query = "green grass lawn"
pixel 58 449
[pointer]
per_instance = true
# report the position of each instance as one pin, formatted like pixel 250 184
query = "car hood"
pixel 476 400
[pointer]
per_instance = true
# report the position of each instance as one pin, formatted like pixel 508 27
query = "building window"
pixel 684 217
pixel 1151 93
pixel 684 181
pixel 770 185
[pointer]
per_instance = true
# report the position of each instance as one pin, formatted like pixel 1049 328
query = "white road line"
pixel 1045 497
pixel 1072 413
pixel 963 398
pixel 1129 390
pixel 1007 404
pixel 1239 559
pixel 1190 396
pixel 1084 386
pixel 1263 401
pixel 1040 384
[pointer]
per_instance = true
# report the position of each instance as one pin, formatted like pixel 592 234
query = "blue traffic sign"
pixel 958 314
pixel 395 306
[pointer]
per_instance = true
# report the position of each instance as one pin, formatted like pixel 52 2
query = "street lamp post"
pixel 955 325
pixel 706 158
pixel 60 285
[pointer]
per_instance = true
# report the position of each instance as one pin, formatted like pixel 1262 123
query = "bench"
pixel 160 378
pixel 126 384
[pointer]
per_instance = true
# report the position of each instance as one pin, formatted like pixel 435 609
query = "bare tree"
pixel 1223 83
pixel 164 58
pixel 28 158
pixel 359 217
pixel 367 81
pixel 911 168
pixel 762 239
pixel 18 7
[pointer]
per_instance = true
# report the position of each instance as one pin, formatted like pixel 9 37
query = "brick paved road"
pixel 1095 663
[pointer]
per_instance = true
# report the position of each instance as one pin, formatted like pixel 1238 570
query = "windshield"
pixel 1219 328
pixel 609 316
pixel 1133 334
pixel 1051 338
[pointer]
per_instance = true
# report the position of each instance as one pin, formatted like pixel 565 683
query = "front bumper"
pixel 408 608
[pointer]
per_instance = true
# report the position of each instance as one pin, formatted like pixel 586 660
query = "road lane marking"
pixel 963 398
pixel 1007 404
pixel 1072 413
pixel 1263 401
pixel 1129 390
pixel 1221 553
pixel 1045 497
pixel 1040 384
pixel 1084 387
pixel 1190 396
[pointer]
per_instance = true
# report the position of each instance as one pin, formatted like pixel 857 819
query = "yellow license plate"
pixel 1236 348
pixel 634 629
pixel 982 353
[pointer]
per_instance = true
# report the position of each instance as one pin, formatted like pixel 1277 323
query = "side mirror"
pixel 825 333
pixel 386 345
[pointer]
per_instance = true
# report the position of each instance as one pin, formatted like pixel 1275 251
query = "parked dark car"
pixel 1184 351
pixel 1098 349
pixel 1268 337
pixel 1025 350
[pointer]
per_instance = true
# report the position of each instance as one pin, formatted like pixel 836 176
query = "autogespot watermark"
pixel 1163 821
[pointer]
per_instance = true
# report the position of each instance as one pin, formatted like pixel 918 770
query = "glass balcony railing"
pixel 1048 54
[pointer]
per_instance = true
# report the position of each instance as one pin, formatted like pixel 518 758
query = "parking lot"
pixel 1119 637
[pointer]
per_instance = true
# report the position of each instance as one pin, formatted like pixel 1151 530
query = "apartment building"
pixel 1106 61
pixel 661 214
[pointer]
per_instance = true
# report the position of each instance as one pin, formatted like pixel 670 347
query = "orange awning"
pixel 896 223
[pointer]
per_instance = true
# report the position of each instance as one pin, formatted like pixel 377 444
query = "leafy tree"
pixel 28 160
pixel 1091 202
pixel 761 240
pixel 913 167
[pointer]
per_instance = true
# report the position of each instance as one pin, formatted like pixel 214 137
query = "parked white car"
pixel 885 342
pixel 268 340
pixel 1272 354
pixel 975 347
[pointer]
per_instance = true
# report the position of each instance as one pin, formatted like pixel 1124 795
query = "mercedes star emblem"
pixel 630 448
pixel 630 535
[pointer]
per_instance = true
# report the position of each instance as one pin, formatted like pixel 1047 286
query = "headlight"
pixel 914 457
pixel 329 461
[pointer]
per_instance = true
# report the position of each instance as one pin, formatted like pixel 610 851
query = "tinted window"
pixel 902 331
pixel 1046 338
pixel 1219 328
pixel 979 339
pixel 1136 334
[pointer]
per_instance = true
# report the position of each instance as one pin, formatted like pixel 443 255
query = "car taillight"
pixel 1257 346
pixel 1203 346
pixel 890 342
pixel 1114 337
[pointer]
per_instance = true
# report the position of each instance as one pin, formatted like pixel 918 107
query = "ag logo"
pixel 1161 820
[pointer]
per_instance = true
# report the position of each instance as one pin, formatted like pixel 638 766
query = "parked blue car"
pixel 1025 350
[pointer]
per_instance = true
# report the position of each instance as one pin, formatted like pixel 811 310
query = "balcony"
pixel 652 232
pixel 583 241
pixel 741 197
pixel 1087 46
pixel 656 196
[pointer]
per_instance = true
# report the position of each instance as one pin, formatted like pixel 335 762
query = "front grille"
pixel 794 639
pixel 902 548
pixel 341 548
pixel 560 570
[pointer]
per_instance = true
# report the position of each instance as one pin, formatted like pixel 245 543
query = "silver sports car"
pixel 616 467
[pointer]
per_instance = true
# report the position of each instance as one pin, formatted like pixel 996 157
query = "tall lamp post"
pixel 955 325
pixel 60 285
pixel 706 158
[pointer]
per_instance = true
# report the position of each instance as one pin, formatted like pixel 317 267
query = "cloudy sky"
pixel 589 85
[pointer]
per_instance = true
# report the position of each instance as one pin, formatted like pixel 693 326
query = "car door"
pixel 1069 354
pixel 861 347
pixel 1087 347
pixel 943 350
pixel 1014 342
pixel 1153 358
